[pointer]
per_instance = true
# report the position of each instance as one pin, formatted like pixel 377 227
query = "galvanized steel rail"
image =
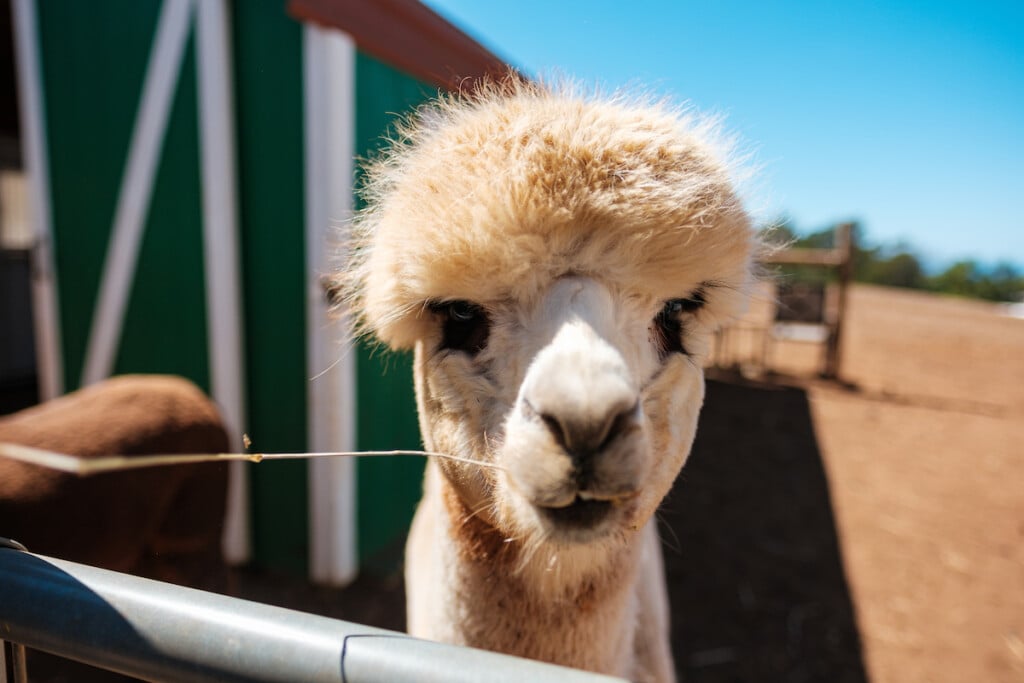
pixel 161 632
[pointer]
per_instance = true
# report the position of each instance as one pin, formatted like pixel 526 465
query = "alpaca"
pixel 163 523
pixel 558 262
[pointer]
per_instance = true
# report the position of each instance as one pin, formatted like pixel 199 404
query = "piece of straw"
pixel 83 467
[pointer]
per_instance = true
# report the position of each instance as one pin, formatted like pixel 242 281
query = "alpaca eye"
pixel 670 323
pixel 462 311
pixel 465 326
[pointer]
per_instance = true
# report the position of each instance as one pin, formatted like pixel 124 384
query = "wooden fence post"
pixel 844 245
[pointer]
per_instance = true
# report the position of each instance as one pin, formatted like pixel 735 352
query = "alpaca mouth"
pixel 579 514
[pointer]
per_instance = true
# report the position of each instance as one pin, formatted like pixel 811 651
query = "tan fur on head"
pixel 558 262
pixel 542 181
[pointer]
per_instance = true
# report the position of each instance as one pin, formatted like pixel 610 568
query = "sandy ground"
pixel 925 462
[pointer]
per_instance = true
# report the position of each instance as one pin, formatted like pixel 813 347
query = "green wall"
pixel 388 487
pixel 93 58
pixel 271 168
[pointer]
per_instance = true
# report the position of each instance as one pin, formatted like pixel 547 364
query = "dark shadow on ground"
pixel 753 562
pixel 372 599
pixel 755 573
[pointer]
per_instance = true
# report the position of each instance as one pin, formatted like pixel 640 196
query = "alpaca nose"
pixel 584 410
pixel 589 428
pixel 584 435
pixel 579 392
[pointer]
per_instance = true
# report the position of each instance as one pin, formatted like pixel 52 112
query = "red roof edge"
pixel 408 36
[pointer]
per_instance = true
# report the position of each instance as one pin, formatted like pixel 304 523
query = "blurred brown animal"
pixel 163 523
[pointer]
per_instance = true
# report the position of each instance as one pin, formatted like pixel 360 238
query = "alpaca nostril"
pixel 555 427
pixel 584 437
pixel 621 423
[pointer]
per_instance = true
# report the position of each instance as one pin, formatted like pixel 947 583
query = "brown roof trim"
pixel 407 35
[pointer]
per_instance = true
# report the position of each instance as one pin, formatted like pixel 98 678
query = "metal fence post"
pixel 12 663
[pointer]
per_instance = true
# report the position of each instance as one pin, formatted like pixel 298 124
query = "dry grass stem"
pixel 114 463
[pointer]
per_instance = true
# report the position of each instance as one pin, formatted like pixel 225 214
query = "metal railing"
pixel 162 632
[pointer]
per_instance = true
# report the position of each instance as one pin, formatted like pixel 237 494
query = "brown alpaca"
pixel 558 263
pixel 164 523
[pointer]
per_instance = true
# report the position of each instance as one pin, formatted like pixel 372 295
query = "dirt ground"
pixel 922 453
pixel 867 530
pixel 925 465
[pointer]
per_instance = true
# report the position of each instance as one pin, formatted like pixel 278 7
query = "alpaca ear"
pixel 334 290
pixel 379 314
pixel 354 290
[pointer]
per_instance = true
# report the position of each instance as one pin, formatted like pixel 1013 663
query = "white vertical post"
pixel 136 188
pixel 329 85
pixel 220 252
pixel 33 126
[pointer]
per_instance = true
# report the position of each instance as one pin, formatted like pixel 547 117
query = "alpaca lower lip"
pixel 580 514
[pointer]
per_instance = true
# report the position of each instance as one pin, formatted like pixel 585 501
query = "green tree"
pixel 960 278
pixel 967 278
pixel 902 269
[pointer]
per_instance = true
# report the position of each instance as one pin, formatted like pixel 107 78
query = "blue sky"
pixel 906 116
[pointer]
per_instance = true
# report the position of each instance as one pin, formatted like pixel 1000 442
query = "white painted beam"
pixel 45 305
pixel 221 253
pixel 329 86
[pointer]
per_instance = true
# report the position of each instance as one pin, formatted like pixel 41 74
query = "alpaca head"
pixel 558 263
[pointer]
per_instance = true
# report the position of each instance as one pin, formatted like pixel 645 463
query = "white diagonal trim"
pixel 44 277
pixel 136 188
pixel 329 86
pixel 220 253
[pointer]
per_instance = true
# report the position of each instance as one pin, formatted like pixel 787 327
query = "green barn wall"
pixel 271 168
pixel 388 487
pixel 93 58
pixel 165 321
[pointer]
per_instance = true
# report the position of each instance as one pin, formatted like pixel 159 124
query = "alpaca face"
pixel 558 263
pixel 587 399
